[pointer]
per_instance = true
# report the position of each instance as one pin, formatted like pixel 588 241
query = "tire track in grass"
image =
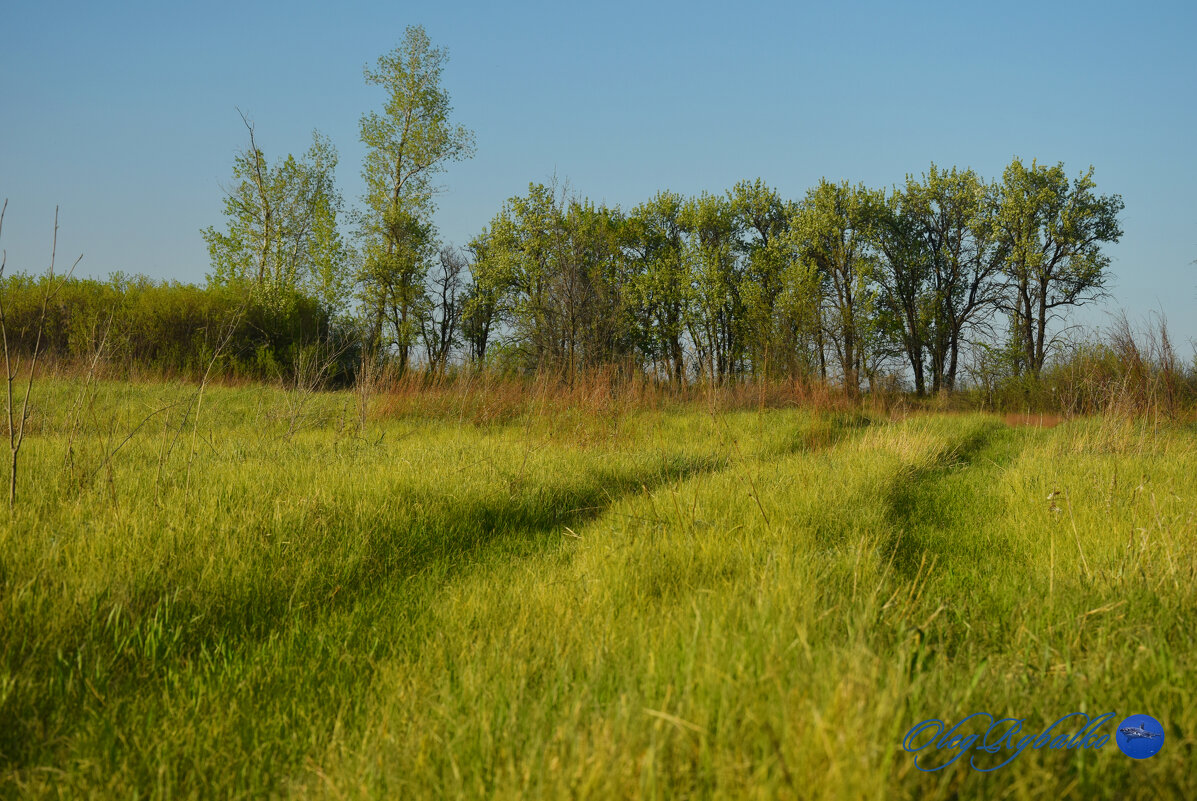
pixel 155 639
pixel 944 511
pixel 478 596
pixel 332 634
pixel 944 525
pixel 217 649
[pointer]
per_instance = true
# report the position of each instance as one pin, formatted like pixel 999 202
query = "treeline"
pixel 949 278
pixel 847 283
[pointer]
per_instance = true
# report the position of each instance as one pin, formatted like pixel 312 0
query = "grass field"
pixel 670 603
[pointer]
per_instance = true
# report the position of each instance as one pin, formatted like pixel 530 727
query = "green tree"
pixel 441 325
pixel 941 271
pixel 764 219
pixel 557 271
pixel 958 218
pixel 407 145
pixel 479 303
pixel 281 232
pixel 1053 232
pixel 797 351
pixel 658 284
pixel 900 233
pixel 589 287
pixel 831 230
pixel 522 243
pixel 392 277
pixel 710 255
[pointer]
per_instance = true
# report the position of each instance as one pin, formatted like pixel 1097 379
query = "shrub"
pixel 139 326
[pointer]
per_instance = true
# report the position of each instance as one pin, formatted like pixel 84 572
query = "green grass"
pixel 657 604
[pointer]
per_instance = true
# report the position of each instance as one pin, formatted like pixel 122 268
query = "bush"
pixel 134 326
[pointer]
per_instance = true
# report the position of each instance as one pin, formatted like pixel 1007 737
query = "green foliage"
pixel 1054 232
pixel 721 287
pixel 411 141
pixel 941 279
pixel 392 279
pixel 555 272
pixel 770 323
pixel 831 230
pixel 407 146
pixel 658 286
pixel 133 326
pixel 282 234
pixel 850 284
pixel 709 256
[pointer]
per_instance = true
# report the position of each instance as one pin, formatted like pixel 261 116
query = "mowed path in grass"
pixel 571 604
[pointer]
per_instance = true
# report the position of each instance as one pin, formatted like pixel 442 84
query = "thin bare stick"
pixel 16 430
pixel 231 328
pixel 87 393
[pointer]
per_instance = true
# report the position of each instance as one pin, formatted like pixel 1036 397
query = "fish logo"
pixel 1140 736
pixel 1137 732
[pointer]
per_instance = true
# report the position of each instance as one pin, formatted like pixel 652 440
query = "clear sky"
pixel 124 114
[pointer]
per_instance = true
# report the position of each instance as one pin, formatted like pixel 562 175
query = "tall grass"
pixel 484 396
pixel 607 597
pixel 1123 369
pixel 1131 371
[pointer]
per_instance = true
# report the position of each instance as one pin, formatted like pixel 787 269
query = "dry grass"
pixel 1040 420
pixel 1129 371
pixel 483 397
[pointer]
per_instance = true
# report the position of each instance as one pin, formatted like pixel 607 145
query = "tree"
pixel 764 219
pixel 901 235
pixel 281 231
pixel 557 270
pixel 392 276
pixel 709 254
pixel 480 303
pixel 588 287
pixel 831 230
pixel 942 267
pixel 658 287
pixel 1053 234
pixel 408 145
pixel 519 262
pixel 440 326
pixel 959 221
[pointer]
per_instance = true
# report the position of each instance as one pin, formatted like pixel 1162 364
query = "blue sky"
pixel 124 113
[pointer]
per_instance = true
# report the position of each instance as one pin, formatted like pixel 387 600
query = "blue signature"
pixel 1003 734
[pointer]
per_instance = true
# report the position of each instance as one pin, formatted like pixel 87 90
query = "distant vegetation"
pixel 947 281
pixel 137 327
pixel 144 329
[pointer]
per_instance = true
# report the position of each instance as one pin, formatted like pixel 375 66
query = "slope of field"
pixel 281 601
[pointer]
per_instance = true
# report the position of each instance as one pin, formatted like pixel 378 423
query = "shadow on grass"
pixel 178 637
pixel 825 432
pixel 117 652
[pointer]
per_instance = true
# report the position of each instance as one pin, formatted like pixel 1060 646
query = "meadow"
pixel 250 593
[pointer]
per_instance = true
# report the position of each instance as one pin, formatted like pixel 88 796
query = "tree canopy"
pixel 847 283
